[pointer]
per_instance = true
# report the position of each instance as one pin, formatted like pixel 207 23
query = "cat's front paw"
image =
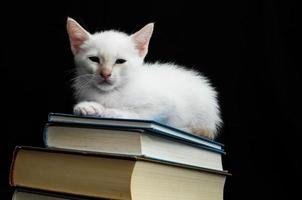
pixel 88 108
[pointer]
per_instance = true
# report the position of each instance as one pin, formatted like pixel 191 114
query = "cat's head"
pixel 106 59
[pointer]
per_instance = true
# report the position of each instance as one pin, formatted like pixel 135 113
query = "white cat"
pixel 113 81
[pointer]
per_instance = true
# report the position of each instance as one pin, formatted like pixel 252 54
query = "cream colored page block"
pixel 152 181
pixel 170 150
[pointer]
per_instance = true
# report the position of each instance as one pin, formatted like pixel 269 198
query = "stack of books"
pixel 101 158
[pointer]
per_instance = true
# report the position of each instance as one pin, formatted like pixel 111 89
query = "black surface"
pixel 248 49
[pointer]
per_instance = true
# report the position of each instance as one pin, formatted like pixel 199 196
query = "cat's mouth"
pixel 105 82
pixel 105 85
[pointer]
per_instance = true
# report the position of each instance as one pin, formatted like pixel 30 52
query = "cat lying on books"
pixel 112 80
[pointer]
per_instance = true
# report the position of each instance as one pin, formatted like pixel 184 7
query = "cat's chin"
pixel 105 86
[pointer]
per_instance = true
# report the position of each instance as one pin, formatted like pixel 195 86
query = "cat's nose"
pixel 105 74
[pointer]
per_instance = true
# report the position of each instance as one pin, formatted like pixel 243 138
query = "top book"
pixel 149 125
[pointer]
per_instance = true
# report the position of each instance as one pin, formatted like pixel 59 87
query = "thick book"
pixel 139 142
pixel 113 176
pixel 149 125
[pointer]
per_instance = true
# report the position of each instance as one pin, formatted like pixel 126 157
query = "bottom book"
pixel 23 194
pixel 113 176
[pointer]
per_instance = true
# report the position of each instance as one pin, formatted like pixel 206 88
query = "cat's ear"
pixel 77 35
pixel 141 39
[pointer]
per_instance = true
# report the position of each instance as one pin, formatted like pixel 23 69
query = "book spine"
pixel 12 167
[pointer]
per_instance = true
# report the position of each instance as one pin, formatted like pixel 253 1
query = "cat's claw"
pixel 88 108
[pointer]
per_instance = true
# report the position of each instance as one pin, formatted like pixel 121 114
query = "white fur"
pixel 166 92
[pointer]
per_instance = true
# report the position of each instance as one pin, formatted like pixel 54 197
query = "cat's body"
pixel 113 81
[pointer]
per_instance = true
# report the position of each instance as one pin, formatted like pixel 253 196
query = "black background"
pixel 249 49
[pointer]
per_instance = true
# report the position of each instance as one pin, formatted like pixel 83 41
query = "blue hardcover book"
pixel 149 125
pixel 131 137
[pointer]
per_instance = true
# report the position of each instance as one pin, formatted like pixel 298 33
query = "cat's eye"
pixel 120 61
pixel 94 59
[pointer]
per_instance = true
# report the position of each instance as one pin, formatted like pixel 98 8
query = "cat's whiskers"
pixel 81 82
pixel 82 76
